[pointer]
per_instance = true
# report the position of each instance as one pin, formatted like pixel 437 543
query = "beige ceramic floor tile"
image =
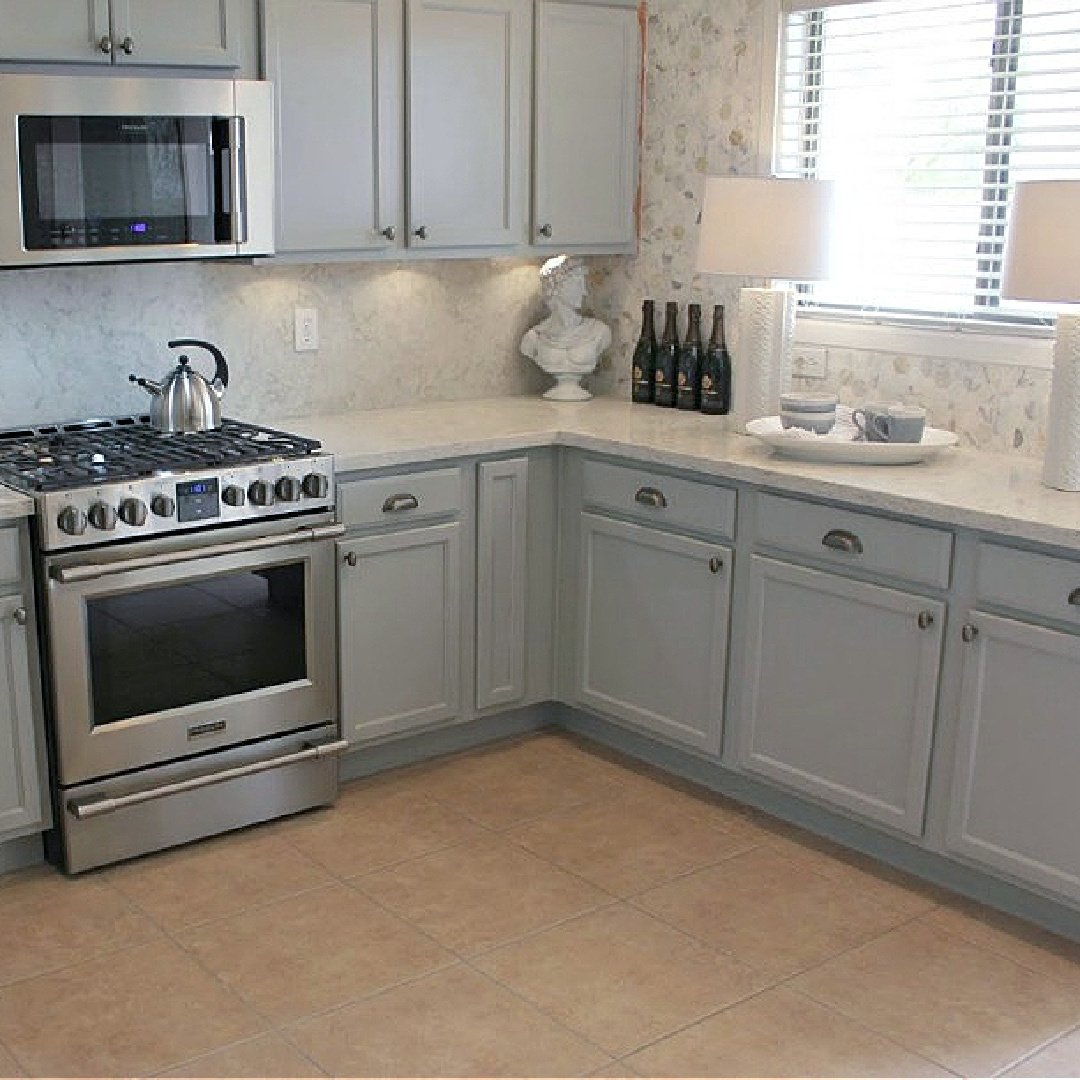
pixel 780 1033
pixel 480 894
pixel 376 824
pixel 616 1069
pixel 769 912
pixel 311 952
pixel 1060 1058
pixel 48 921
pixel 215 878
pixel 1028 945
pixel 626 845
pixel 619 977
pixel 132 1012
pixel 8 1065
pixel 264 1056
pixel 973 1011
pixel 453 1023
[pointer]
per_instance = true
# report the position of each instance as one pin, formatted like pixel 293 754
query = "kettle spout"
pixel 151 387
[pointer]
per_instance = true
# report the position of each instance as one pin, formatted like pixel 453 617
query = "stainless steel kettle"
pixel 185 401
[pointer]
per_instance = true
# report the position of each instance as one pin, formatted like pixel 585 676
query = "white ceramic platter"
pixel 801 444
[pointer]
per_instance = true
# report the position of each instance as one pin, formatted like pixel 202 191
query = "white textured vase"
pixel 761 367
pixel 1061 466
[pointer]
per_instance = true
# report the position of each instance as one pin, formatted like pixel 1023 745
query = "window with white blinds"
pixel 926 113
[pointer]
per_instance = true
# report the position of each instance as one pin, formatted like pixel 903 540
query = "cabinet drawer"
pixel 1028 581
pixel 9 556
pixel 401 497
pixel 914 553
pixel 659 498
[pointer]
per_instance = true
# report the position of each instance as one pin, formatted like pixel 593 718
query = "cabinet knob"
pixel 650 496
pixel 395 504
pixel 1074 597
pixel 925 620
pixel 545 231
pixel 105 44
pixel 842 540
pixel 20 616
pixel 969 632
pixel 350 558
pixel 128 45
pixel 389 232
pixel 716 564
pixel 421 232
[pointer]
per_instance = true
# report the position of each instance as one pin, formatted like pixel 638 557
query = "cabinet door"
pixel 653 629
pixel 20 793
pixel 336 70
pixel 588 73
pixel 399 612
pixel 502 505
pixel 63 30
pixel 191 34
pixel 1016 800
pixel 468 78
pixel 840 688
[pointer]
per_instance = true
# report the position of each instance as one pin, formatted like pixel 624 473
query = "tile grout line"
pixel 1037 1050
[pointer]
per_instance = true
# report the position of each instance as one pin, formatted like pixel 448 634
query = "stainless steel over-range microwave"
pixel 103 169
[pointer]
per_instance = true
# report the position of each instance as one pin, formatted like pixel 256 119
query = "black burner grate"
pixel 56 457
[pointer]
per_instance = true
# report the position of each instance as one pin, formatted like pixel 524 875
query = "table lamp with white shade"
pixel 1042 262
pixel 764 227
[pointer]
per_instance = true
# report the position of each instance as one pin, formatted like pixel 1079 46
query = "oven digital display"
pixel 197 500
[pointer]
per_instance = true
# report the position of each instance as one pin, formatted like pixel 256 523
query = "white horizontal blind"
pixel 926 113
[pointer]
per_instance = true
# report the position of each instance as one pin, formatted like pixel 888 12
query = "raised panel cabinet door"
pixel 336 70
pixel 653 629
pixel 1015 798
pixel 61 30
pixel 20 792
pixel 194 33
pixel 469 82
pixel 840 689
pixel 399 630
pixel 588 73
pixel 502 512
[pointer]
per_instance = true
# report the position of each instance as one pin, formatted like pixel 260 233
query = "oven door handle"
pixel 94 806
pixel 89 571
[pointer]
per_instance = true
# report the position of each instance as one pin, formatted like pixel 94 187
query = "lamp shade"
pixel 1042 250
pixel 765 227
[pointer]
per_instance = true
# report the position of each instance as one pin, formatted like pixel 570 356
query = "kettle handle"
pixel 221 369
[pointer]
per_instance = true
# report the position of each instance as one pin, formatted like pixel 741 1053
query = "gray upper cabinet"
pixel 588 75
pixel 336 66
pixel 469 75
pixel 161 32
pixel 839 689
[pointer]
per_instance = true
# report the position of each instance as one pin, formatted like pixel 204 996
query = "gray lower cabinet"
pixel 399 630
pixel 839 689
pixel 653 617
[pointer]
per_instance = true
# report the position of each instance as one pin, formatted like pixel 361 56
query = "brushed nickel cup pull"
pixel 842 540
pixel 969 632
pixel 650 496
pixel 105 44
pixel 1074 597
pixel 545 231
pixel 21 616
pixel 421 232
pixel 716 564
pixel 350 558
pixel 389 232
pixel 925 620
pixel 128 45
pixel 395 504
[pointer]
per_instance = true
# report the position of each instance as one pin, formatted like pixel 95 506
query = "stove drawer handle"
pixel 88 571
pixel 396 504
pixel 95 806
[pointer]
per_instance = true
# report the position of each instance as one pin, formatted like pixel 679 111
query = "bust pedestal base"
pixel 567 388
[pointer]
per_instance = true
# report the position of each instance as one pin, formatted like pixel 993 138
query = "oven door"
pixel 164 655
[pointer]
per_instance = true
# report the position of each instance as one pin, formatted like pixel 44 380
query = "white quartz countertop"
pixel 999 493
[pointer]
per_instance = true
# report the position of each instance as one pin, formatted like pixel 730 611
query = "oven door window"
pixel 163 648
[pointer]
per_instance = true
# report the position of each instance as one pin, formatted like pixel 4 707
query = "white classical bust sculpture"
pixel 566 344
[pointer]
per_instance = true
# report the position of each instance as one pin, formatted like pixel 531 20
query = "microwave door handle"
pixel 91 570
pixel 231 179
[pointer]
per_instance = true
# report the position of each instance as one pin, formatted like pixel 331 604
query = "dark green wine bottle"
pixel 716 370
pixel 667 356
pixel 688 370
pixel 644 362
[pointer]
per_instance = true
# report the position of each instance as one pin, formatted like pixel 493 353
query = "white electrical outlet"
pixel 810 361
pixel 306 328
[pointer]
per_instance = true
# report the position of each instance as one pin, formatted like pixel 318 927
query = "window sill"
pixel 1020 347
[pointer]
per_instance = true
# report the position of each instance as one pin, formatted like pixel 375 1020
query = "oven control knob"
pixel 287 489
pixel 163 506
pixel 261 493
pixel 72 521
pixel 316 485
pixel 133 512
pixel 233 496
pixel 102 516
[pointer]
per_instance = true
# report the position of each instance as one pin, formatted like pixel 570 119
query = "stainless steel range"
pixel 187 590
